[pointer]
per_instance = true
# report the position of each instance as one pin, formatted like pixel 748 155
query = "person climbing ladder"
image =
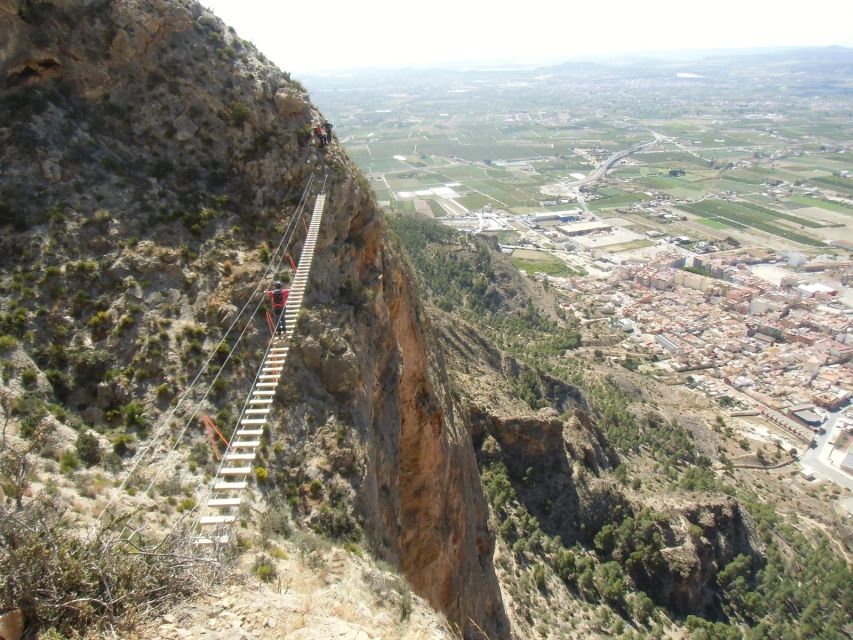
pixel 278 298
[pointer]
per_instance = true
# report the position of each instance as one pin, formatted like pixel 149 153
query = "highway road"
pixel 565 187
pixel 818 459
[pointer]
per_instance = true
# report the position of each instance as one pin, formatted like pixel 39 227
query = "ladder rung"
pixel 250 432
pixel 247 444
pixel 267 384
pixel 235 471
pixel 239 456
pixel 216 519
pixel 230 486
pixel 264 392
pixel 224 502
pixel 254 421
pixel 210 541
pixel 267 401
pixel 270 377
pixel 258 411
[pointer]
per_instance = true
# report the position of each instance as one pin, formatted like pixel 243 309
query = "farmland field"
pixel 713 223
pixel 752 161
pixel 540 262
pixel 824 204
pixel 742 214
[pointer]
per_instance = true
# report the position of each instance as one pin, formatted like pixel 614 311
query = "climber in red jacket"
pixel 278 298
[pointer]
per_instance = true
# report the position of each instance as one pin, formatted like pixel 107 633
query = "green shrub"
pixel 124 323
pixel 264 569
pixel 564 565
pixel 100 323
pixel 69 585
pixel 124 445
pixel 276 521
pixel 30 412
pixel 7 342
pixel 29 377
pixel 539 576
pixel 641 606
pixel 69 462
pixel 88 448
pixel 133 414
pixel 186 504
pixel 238 112
pixel 610 582
pixel 335 522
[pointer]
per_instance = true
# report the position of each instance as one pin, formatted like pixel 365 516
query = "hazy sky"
pixel 303 37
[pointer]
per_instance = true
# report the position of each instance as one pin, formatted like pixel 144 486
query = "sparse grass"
pixel 73 585
pixel 264 569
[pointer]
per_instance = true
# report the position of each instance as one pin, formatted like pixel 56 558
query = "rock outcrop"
pixel 149 154
pixel 686 582
pixel 419 495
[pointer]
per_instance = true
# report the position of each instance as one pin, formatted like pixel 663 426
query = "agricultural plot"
pixel 840 185
pixel 741 215
pixel 670 158
pixel 714 223
pixel 540 262
pixel 613 198
pixel 667 183
pixel 504 237
pixel 474 201
pixel 836 207
pixel 437 210
pixel 728 138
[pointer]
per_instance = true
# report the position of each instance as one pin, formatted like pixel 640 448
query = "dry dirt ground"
pixel 320 592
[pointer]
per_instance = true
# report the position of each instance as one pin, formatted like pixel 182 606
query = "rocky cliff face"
pixel 148 153
pixel 553 477
pixel 151 107
pixel 368 349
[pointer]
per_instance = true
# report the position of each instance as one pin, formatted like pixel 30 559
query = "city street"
pixel 818 459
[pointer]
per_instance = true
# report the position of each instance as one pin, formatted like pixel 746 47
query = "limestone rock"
pixel 12 625
pixel 185 127
pixel 329 629
pixel 51 169
pixel 176 133
pixel 289 104
pixel 312 353
pixel 340 373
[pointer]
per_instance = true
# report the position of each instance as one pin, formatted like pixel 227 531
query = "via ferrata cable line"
pixel 153 440
pixel 283 244
pixel 230 481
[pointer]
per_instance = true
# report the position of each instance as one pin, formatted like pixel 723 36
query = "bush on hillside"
pixel 72 584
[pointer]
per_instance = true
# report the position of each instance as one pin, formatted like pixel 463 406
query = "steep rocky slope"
pixel 615 510
pixel 149 157
pixel 554 491
pixel 151 161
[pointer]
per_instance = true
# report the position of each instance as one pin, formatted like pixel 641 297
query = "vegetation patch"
pixel 540 262
pixel 75 584
pixel 829 205
pixel 751 215
pixel 715 223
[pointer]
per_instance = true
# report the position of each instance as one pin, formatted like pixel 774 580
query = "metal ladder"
pixel 232 478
